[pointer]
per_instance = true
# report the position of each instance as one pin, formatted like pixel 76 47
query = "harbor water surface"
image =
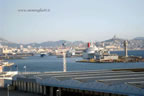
pixel 52 63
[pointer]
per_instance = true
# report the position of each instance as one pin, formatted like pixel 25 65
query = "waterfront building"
pixel 6 50
pixel 103 55
pixel 81 83
pixel 6 77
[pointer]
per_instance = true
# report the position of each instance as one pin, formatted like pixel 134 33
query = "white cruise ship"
pixel 90 51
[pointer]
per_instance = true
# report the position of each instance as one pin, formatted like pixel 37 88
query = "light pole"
pixel 64 62
pixel 25 68
pixel 64 58
pixel 58 92
pixel 8 90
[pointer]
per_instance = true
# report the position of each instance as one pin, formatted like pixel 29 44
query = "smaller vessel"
pixel 42 54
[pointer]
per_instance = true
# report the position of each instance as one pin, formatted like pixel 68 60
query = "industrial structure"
pixel 81 83
pixel 125 48
pixel 6 78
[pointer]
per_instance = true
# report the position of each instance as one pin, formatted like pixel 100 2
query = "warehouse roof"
pixel 123 82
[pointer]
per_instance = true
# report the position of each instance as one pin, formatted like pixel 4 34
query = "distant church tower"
pixel 114 37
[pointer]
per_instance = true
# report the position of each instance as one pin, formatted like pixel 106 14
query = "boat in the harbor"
pixel 99 55
pixel 43 54
pixel 89 53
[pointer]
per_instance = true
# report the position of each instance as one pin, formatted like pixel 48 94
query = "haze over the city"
pixel 86 20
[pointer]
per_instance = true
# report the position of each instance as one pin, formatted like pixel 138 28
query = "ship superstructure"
pixel 93 52
pixel 90 51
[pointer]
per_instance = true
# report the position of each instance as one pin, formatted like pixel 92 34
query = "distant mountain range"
pixel 137 42
pixel 139 38
pixel 56 43
pixel 8 43
pixel 43 44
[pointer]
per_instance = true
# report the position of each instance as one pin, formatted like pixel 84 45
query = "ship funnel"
pixel 125 48
pixel 88 44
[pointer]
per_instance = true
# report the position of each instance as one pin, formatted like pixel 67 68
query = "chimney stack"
pixel 88 44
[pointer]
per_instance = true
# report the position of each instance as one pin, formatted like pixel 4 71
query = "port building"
pixel 81 83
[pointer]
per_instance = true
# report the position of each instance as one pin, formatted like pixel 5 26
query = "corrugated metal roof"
pixel 123 82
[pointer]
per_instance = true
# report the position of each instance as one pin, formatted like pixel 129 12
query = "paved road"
pixel 3 92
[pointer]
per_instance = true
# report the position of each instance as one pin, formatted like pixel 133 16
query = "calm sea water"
pixel 52 63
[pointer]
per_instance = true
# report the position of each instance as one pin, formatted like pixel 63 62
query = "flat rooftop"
pixel 122 81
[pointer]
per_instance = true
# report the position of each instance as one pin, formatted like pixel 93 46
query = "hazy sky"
pixel 86 20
